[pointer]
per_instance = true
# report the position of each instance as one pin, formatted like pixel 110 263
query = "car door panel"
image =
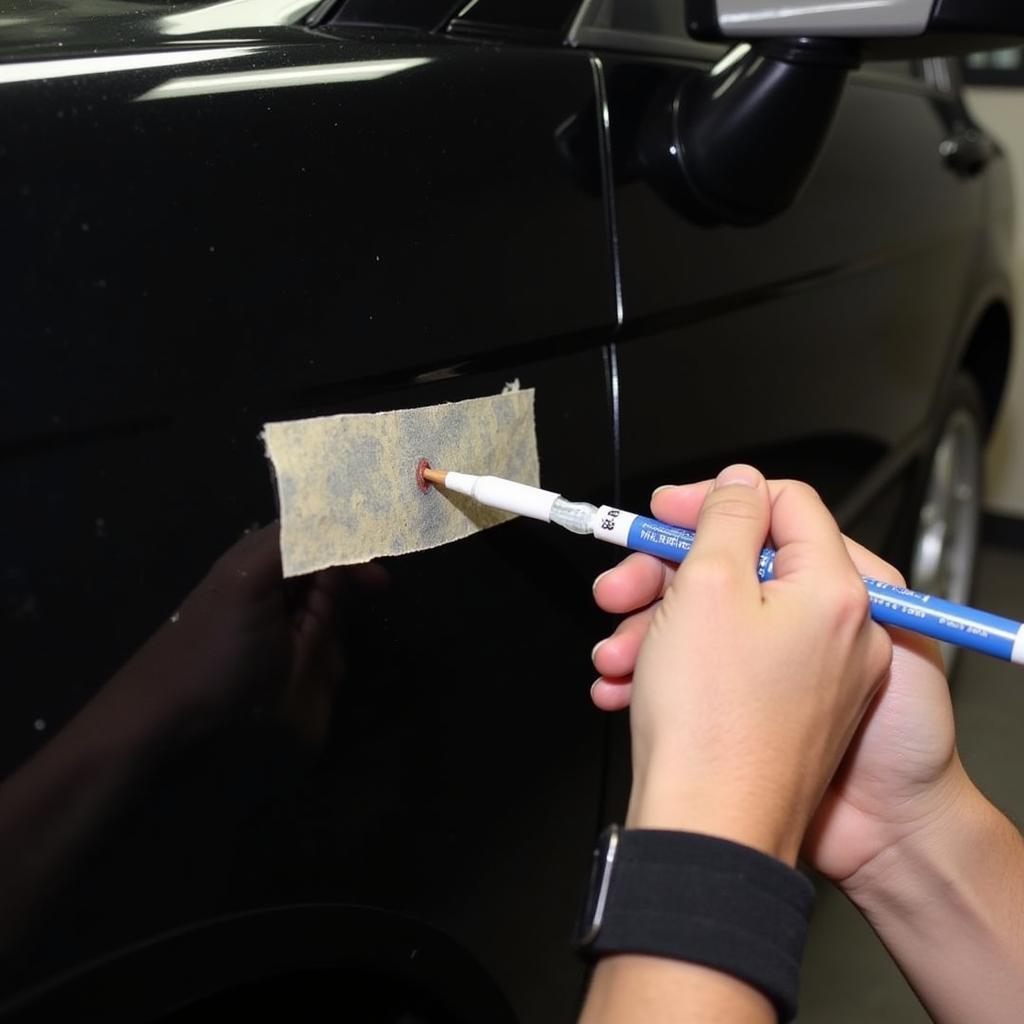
pixel 192 265
pixel 310 231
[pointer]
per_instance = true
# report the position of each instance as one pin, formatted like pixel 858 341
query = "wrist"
pixel 928 851
pixel 660 896
pixel 740 812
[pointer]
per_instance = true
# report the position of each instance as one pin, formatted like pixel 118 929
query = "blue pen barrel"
pixel 674 542
pixel 657 538
pixel 890 605
pixel 942 620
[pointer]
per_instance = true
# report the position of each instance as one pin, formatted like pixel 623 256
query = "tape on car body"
pixel 347 484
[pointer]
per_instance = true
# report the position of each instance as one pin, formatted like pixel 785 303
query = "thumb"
pixel 733 524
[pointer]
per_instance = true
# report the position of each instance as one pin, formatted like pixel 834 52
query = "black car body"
pixel 216 215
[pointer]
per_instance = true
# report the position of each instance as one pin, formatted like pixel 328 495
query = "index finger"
pixel 807 539
pixel 870 564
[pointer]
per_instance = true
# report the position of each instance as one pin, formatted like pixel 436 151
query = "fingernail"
pixel 593 650
pixel 593 586
pixel 663 487
pixel 745 476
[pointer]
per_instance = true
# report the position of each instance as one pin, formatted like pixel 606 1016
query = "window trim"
pixel 584 33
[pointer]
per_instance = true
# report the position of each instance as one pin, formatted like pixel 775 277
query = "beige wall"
pixel 1002 112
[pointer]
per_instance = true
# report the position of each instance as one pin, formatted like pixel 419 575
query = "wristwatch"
pixel 592 915
pixel 698 898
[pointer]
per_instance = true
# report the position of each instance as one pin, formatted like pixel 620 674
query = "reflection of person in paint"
pixel 242 641
pixel 778 716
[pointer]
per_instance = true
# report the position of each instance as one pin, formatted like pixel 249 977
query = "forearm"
pixel 647 990
pixel 948 902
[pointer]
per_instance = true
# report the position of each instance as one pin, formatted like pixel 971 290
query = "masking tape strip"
pixel 347 484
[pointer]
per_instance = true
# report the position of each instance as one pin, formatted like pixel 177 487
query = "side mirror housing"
pixel 885 28
pixel 737 146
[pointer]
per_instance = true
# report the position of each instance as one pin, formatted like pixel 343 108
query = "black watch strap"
pixel 701 899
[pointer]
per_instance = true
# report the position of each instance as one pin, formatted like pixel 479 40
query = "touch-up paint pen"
pixel 890 605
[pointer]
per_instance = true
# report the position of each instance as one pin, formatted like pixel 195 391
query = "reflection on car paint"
pixel 282 78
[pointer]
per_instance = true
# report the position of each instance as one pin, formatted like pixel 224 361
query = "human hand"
pixel 901 769
pixel 746 695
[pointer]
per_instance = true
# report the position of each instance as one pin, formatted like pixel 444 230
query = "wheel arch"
pixel 986 355
pixel 182 975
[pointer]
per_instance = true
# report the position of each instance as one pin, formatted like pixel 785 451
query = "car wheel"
pixel 945 544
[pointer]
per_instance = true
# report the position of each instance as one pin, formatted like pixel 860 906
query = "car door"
pixel 816 343
pixel 221 220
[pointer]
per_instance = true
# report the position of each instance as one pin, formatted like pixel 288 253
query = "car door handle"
pixel 967 151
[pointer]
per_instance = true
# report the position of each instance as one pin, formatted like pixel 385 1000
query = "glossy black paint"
pixel 197 248
pixel 816 344
pixel 244 816
pixel 189 268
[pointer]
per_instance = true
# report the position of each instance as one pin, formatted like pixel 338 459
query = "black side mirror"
pixel 738 145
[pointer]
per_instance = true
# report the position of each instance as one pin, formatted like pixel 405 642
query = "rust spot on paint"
pixel 421 481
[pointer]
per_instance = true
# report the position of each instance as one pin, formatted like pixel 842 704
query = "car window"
pixel 663 17
pixel 644 26
pixel 422 14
